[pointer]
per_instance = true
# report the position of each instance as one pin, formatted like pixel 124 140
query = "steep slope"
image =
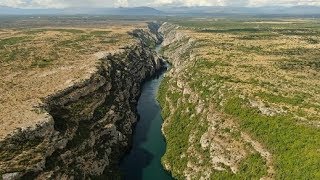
pixel 201 140
pixel 241 99
pixel 86 127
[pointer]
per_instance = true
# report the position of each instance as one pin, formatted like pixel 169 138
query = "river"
pixel 143 162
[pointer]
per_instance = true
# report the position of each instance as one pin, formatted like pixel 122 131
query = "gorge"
pixel 88 126
pixel 239 101
pixel 144 159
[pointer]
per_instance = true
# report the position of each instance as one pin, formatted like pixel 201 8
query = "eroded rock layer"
pixel 88 126
pixel 202 141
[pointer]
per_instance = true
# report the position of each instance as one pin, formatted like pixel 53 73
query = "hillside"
pixel 242 99
pixel 69 96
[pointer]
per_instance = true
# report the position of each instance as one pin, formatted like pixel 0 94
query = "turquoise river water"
pixel 143 162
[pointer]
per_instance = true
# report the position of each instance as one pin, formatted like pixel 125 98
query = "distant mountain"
pixel 17 11
pixel 136 11
pixel 170 10
pixel 303 10
pixel 8 10
pixel 267 10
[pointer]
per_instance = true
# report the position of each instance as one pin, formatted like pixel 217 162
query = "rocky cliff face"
pixel 203 142
pixel 88 126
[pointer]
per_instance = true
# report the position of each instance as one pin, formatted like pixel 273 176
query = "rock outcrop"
pixel 88 126
pixel 210 142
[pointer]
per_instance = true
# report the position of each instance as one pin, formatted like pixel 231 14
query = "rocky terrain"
pixel 241 98
pixel 209 140
pixel 83 127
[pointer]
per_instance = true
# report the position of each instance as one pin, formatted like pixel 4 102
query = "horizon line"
pixel 154 7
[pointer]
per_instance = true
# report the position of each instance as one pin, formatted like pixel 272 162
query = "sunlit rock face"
pixel 87 127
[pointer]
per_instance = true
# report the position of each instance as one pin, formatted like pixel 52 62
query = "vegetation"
pixel 41 58
pixel 11 41
pixel 20 146
pixel 41 62
pixel 295 152
pixel 253 167
pixel 257 76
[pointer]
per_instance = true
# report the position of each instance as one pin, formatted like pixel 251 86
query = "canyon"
pixel 87 127
pixel 239 101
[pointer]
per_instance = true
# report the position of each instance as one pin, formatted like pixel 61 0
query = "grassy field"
pixel 237 79
pixel 40 57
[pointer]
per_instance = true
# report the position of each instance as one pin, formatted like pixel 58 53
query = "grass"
pixel 296 154
pixel 75 43
pixel 246 30
pixel 298 64
pixel 12 41
pixel 177 131
pixel 100 33
pixel 296 100
pixel 233 62
pixel 37 63
pixel 39 47
pixel 253 167
pixel 41 62
pixel 109 41
pixel 72 31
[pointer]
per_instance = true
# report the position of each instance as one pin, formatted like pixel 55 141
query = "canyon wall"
pixel 203 142
pixel 88 126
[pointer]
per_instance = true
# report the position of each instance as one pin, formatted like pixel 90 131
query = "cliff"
pixel 88 126
pixel 203 142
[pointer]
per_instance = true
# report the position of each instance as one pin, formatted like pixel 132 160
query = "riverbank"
pixel 143 162
pixel 88 125
pixel 241 99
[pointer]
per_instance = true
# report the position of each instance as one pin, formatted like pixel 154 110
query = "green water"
pixel 144 160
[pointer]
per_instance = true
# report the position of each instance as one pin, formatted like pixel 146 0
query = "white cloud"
pixel 188 2
pixel 283 2
pixel 199 3
pixel 13 3
pixel 121 3
pixel 125 3
pixel 235 2
pixel 63 3
pixel 48 4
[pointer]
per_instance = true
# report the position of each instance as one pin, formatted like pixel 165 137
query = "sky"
pixel 152 3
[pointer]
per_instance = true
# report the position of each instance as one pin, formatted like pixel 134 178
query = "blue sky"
pixel 153 3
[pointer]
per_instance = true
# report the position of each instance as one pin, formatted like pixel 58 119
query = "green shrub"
pixel 12 41
pixel 295 100
pixel 295 154
pixel 253 167
pixel 100 33
pixel 41 62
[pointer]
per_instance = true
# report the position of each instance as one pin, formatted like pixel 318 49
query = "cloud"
pixel 284 2
pixel 48 4
pixel 125 3
pixel 236 2
pixel 63 3
pixel 187 2
pixel 13 3
pixel 202 2
pixel 121 3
